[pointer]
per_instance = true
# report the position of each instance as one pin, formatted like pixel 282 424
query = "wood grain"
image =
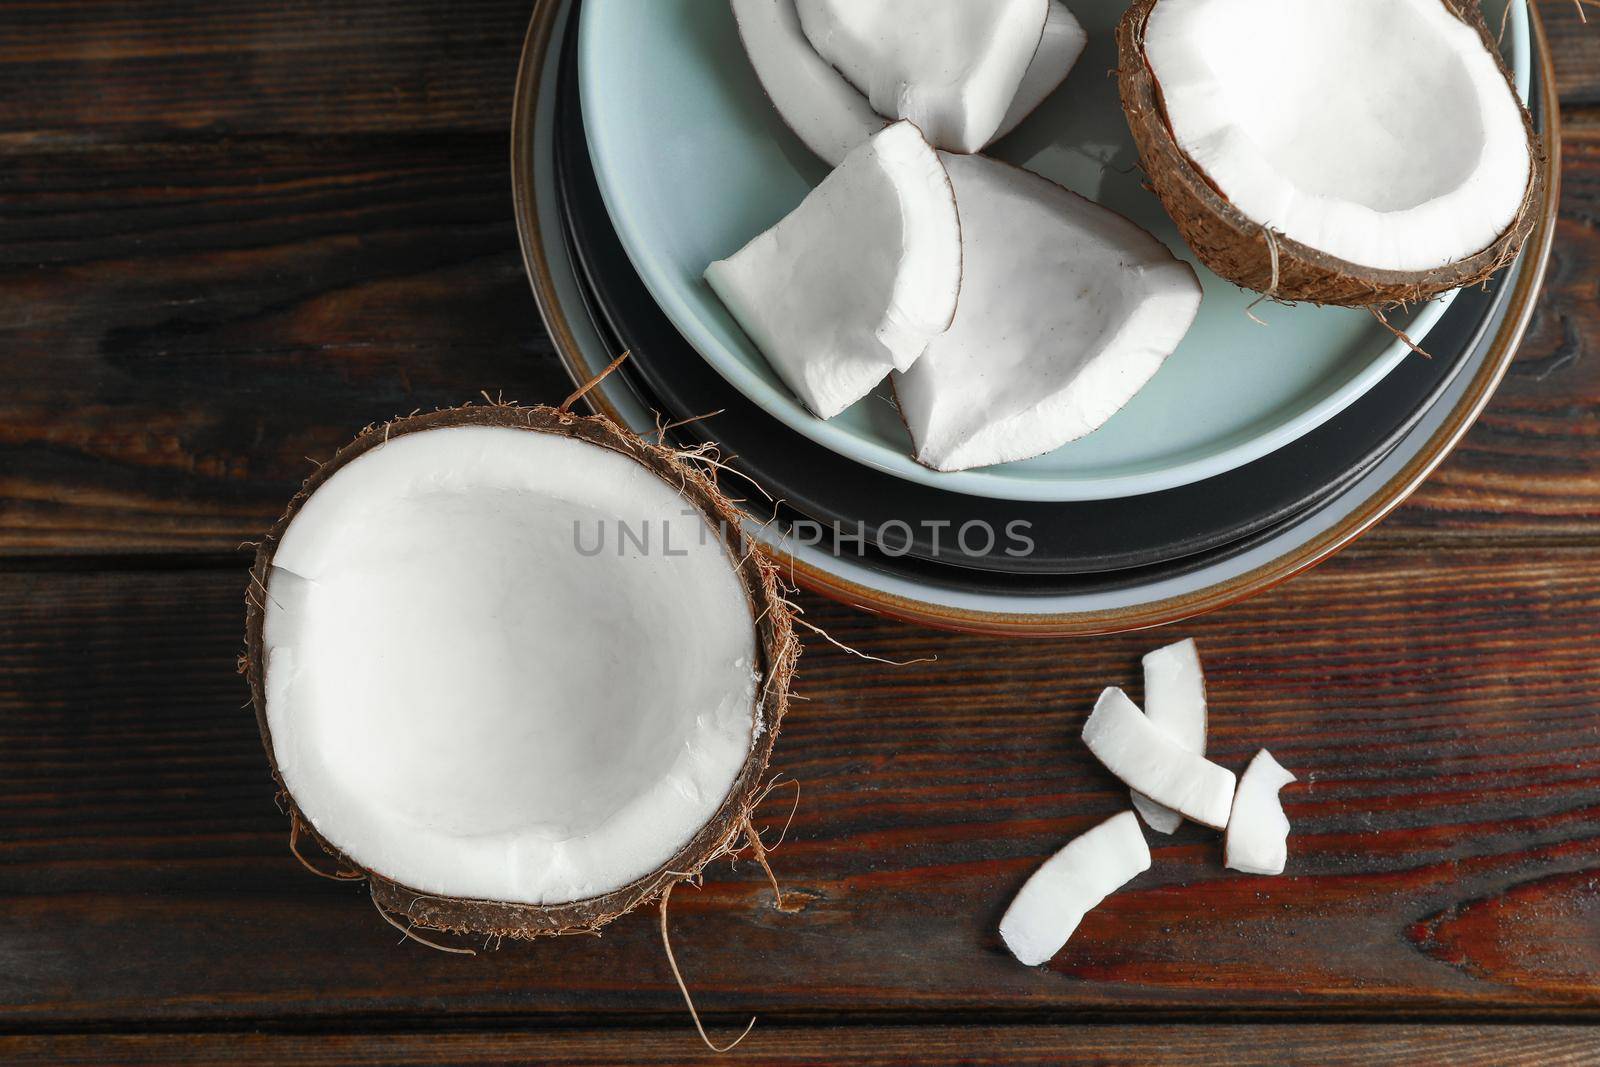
pixel 236 233
pixel 92 71
pixel 1445 859
pixel 769 1046
pixel 185 329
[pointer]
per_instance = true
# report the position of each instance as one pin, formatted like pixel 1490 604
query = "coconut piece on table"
pixel 831 115
pixel 1175 702
pixel 1146 759
pixel 858 279
pixel 474 682
pixel 1258 832
pixel 953 67
pixel 1360 153
pixel 1067 310
pixel 1071 883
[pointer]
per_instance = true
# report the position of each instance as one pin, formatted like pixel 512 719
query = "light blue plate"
pixel 693 162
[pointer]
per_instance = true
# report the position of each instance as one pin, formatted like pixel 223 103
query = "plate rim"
pixel 1002 482
pixel 547 15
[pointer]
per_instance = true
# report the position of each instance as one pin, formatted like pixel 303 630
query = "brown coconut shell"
pixel 1241 250
pixel 778 650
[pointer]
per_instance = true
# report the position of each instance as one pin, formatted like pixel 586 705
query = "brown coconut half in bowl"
pixel 507 668
pixel 1365 153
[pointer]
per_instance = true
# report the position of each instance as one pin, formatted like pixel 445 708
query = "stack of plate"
pixel 644 148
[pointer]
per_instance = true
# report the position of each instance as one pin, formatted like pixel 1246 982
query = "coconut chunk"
pixel 953 67
pixel 823 109
pixel 1175 702
pixel 476 681
pixel 1070 884
pixel 1067 310
pixel 831 115
pixel 858 279
pixel 1258 832
pixel 1380 132
pixel 1063 42
pixel 1146 759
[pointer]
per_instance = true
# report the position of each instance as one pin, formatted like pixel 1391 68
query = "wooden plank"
pixel 182 327
pixel 85 71
pixel 1575 50
pixel 216 314
pixel 1446 857
pixel 769 1046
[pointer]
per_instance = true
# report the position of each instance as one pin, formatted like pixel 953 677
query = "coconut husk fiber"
pixel 691 476
pixel 1247 253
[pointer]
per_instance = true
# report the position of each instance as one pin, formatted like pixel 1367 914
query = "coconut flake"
pixel 1070 884
pixel 1382 132
pixel 1067 310
pixel 476 681
pixel 1258 831
pixel 953 67
pixel 858 279
pixel 1146 759
pixel 1175 703
pixel 832 116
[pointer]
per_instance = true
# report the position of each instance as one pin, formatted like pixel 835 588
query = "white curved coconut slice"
pixel 1067 310
pixel 1258 832
pixel 832 116
pixel 1175 703
pixel 823 109
pixel 1063 42
pixel 474 684
pixel 1070 884
pixel 1378 131
pixel 953 67
pixel 1145 759
pixel 858 279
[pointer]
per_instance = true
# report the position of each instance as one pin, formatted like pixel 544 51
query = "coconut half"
pixel 858 279
pixel 1175 703
pixel 1073 882
pixel 832 116
pixel 952 67
pixel 1257 841
pixel 505 664
pixel 1147 760
pixel 1359 153
pixel 1067 310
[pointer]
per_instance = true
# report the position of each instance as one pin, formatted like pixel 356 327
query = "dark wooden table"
pixel 234 233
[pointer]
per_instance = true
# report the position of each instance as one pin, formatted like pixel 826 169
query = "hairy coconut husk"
pixel 1247 253
pixel 777 645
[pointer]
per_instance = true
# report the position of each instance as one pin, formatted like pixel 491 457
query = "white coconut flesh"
pixel 479 686
pixel 953 67
pixel 1258 833
pixel 1131 747
pixel 1067 310
pixel 1063 42
pixel 831 115
pixel 1175 703
pixel 1073 882
pixel 1381 132
pixel 856 280
pixel 826 112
